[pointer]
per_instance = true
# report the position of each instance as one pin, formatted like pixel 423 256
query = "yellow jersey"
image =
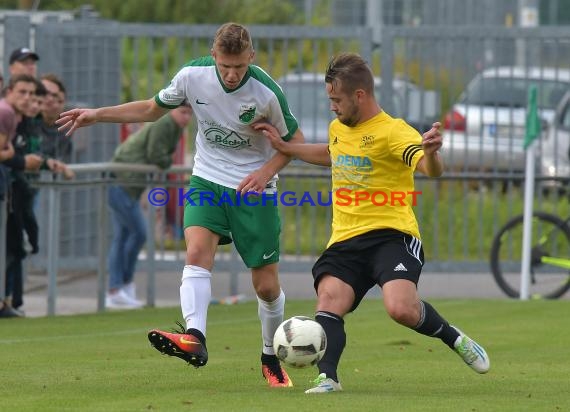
pixel 373 168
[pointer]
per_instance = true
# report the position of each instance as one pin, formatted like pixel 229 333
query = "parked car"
pixel 309 102
pixel 554 150
pixel 484 130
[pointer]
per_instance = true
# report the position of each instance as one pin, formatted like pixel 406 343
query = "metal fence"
pixel 106 62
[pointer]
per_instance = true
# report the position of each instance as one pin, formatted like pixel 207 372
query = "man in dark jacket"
pixel 16 102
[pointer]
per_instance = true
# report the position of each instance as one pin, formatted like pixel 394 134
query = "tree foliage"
pixel 185 11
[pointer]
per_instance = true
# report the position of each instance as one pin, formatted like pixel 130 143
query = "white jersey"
pixel 227 147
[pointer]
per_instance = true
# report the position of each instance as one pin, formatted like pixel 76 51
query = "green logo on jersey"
pixel 225 138
pixel 246 113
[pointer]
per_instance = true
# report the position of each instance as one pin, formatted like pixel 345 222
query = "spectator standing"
pixel 28 158
pixel 22 217
pixel 26 145
pixel 154 144
pixel 16 102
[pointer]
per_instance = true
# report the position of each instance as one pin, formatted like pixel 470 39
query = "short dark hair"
pixel 26 78
pixel 232 38
pixel 350 72
pixel 54 79
pixel 40 88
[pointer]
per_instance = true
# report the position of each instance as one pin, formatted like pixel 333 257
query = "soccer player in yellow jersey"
pixel 375 238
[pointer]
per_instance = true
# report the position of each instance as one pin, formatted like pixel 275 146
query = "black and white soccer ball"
pixel 300 342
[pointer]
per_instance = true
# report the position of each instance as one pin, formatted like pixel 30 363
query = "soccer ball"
pixel 300 342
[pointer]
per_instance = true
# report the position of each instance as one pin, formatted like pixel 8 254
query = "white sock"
pixel 271 316
pixel 195 295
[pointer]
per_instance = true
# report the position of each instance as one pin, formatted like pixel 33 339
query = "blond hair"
pixel 232 38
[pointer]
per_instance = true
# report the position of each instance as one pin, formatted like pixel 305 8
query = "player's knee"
pixel 329 301
pixel 326 297
pixel 267 291
pixel 401 313
pixel 198 256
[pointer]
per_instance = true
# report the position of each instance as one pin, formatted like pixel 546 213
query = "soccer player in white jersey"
pixel 228 94
pixel 373 242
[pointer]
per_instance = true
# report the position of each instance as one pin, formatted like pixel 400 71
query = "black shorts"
pixel 372 258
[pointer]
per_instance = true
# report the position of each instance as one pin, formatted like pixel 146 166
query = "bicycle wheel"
pixel 550 238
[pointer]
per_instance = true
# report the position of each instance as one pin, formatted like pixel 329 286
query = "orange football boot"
pixel 276 376
pixel 182 345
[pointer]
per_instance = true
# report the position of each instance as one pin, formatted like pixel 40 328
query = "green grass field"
pixel 105 363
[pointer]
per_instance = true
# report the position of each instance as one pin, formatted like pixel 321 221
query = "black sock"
pixel 269 359
pixel 433 325
pixel 198 334
pixel 336 341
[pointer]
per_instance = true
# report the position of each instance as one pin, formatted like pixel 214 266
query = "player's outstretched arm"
pixel 132 112
pixel 317 154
